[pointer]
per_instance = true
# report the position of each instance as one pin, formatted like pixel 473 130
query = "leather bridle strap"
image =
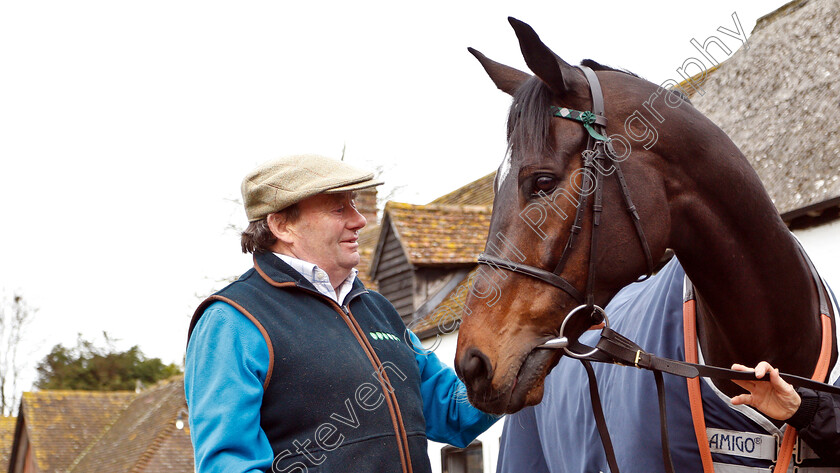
pixel 598 110
pixel 621 350
pixel 600 420
pixel 532 271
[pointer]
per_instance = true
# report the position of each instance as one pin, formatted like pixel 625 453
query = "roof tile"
pixel 7 433
pixel 367 245
pixel 144 435
pixel 61 424
pixel 440 234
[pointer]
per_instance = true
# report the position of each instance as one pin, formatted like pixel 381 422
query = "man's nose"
pixel 357 220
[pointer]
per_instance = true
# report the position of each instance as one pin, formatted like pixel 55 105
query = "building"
pixel 108 432
pixel 7 433
pixel 424 250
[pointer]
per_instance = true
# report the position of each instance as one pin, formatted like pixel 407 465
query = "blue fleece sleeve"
pixel 226 365
pixel 450 418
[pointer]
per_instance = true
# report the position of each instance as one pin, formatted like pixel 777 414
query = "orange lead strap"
pixel 696 401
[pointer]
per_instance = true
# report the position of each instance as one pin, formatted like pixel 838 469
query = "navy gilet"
pixel 342 391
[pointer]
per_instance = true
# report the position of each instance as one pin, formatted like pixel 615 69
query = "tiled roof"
pixel 62 424
pixel 440 234
pixel 171 456
pixel 108 432
pixel 778 101
pixel 367 245
pixel 7 433
pixel 478 192
pixel 144 438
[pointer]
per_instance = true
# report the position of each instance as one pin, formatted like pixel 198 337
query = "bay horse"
pixel 672 180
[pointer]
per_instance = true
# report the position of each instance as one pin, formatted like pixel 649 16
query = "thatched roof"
pixel 779 101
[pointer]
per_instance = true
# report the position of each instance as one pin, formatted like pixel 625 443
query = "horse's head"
pixel 545 210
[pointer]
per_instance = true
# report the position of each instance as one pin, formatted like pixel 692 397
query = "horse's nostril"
pixel 475 366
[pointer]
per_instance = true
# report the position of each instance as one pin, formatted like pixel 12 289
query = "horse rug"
pixel 559 434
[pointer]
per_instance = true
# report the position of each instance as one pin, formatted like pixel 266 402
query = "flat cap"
pixel 279 183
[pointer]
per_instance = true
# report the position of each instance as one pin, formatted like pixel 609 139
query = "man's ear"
pixel 280 228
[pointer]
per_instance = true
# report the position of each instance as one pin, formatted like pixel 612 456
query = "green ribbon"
pixel 587 118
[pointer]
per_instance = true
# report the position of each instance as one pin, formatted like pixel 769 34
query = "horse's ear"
pixel 556 73
pixel 506 78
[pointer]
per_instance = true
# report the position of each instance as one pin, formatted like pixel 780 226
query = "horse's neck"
pixel 756 297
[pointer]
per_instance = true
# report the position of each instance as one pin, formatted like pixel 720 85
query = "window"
pixel 462 460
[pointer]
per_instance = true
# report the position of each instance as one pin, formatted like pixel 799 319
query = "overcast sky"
pixel 126 127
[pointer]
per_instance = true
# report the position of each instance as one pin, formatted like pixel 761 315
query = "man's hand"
pixel 776 398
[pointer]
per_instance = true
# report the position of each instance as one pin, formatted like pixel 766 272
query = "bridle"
pixel 598 150
pixel 612 346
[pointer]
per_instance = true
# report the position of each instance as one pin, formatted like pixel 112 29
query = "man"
pixel 815 415
pixel 296 367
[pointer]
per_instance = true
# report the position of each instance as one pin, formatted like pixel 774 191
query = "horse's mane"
pixel 530 114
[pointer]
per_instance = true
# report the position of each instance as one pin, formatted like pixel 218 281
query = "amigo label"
pixel 742 444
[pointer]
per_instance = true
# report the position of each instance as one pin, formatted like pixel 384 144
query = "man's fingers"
pixel 741 399
pixel 739 367
pixel 778 382
pixel 762 368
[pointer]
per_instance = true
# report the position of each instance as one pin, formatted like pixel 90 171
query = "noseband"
pixel 598 150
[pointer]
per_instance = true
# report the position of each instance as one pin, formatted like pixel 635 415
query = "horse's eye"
pixel 545 184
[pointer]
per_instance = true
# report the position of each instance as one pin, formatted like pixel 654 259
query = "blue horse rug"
pixel 559 434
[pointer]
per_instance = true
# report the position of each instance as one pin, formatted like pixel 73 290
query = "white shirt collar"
pixel 320 279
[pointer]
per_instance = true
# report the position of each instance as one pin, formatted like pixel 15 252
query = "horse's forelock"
pixel 529 119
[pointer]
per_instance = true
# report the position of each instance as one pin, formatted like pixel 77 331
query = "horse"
pixel 605 173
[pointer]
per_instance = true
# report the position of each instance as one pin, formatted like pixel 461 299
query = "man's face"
pixel 326 232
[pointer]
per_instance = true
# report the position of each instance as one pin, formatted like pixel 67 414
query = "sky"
pixel 126 128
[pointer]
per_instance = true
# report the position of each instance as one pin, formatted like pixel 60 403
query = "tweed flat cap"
pixel 279 183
